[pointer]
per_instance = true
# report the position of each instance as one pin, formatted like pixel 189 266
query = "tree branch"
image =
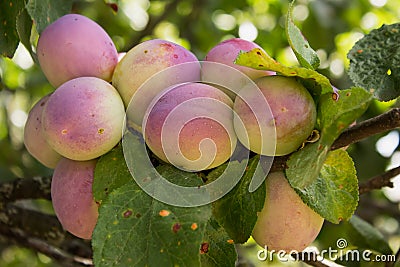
pixel 37 187
pixel 379 181
pixel 43 233
pixel 387 121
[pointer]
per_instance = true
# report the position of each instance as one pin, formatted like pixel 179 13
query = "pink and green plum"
pixel 72 197
pixel 83 119
pixel 191 126
pixel 285 222
pixel 225 54
pixel 172 63
pixel 34 139
pixel 227 51
pixel 75 46
pixel 293 116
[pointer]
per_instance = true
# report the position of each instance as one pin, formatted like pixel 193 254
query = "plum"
pixel 72 197
pixel 34 139
pixel 83 119
pixel 148 58
pixel 293 116
pixel 191 126
pixel 285 222
pixel 75 46
pixel 225 54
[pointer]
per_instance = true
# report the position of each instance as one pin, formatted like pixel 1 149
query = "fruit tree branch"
pixel 34 188
pixel 387 121
pixel 42 232
pixel 379 181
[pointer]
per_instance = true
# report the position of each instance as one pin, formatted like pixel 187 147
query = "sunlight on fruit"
pixel 387 145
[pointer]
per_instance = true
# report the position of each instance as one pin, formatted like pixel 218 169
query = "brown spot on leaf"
pixel 138 215
pixel 230 241
pixel 194 226
pixel 127 213
pixel 176 227
pixel 335 96
pixel 113 6
pixel 359 51
pixel 164 213
pixel 204 248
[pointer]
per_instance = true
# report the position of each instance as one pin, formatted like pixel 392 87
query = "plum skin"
pixel 195 130
pixel 75 46
pixel 285 222
pixel 148 58
pixel 72 197
pixel 83 119
pixel 225 53
pixel 293 110
pixel 34 139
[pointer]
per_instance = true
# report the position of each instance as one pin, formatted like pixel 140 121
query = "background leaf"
pixel 24 28
pixel 316 83
pixel 44 12
pixel 306 56
pixel 335 113
pixel 366 236
pixel 334 195
pixel 237 210
pixel 10 11
pixel 375 62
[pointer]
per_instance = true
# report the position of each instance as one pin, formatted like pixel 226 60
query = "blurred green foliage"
pixel 330 26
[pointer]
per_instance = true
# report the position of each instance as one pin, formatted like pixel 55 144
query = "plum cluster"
pixel 182 106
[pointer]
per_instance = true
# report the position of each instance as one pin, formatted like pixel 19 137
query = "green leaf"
pixel 237 210
pixel 334 195
pixel 256 58
pixel 9 39
pixel 335 113
pixel 111 173
pixel 300 46
pixel 134 229
pixel 375 62
pixel 24 28
pixel 220 248
pixel 45 12
pixel 365 236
